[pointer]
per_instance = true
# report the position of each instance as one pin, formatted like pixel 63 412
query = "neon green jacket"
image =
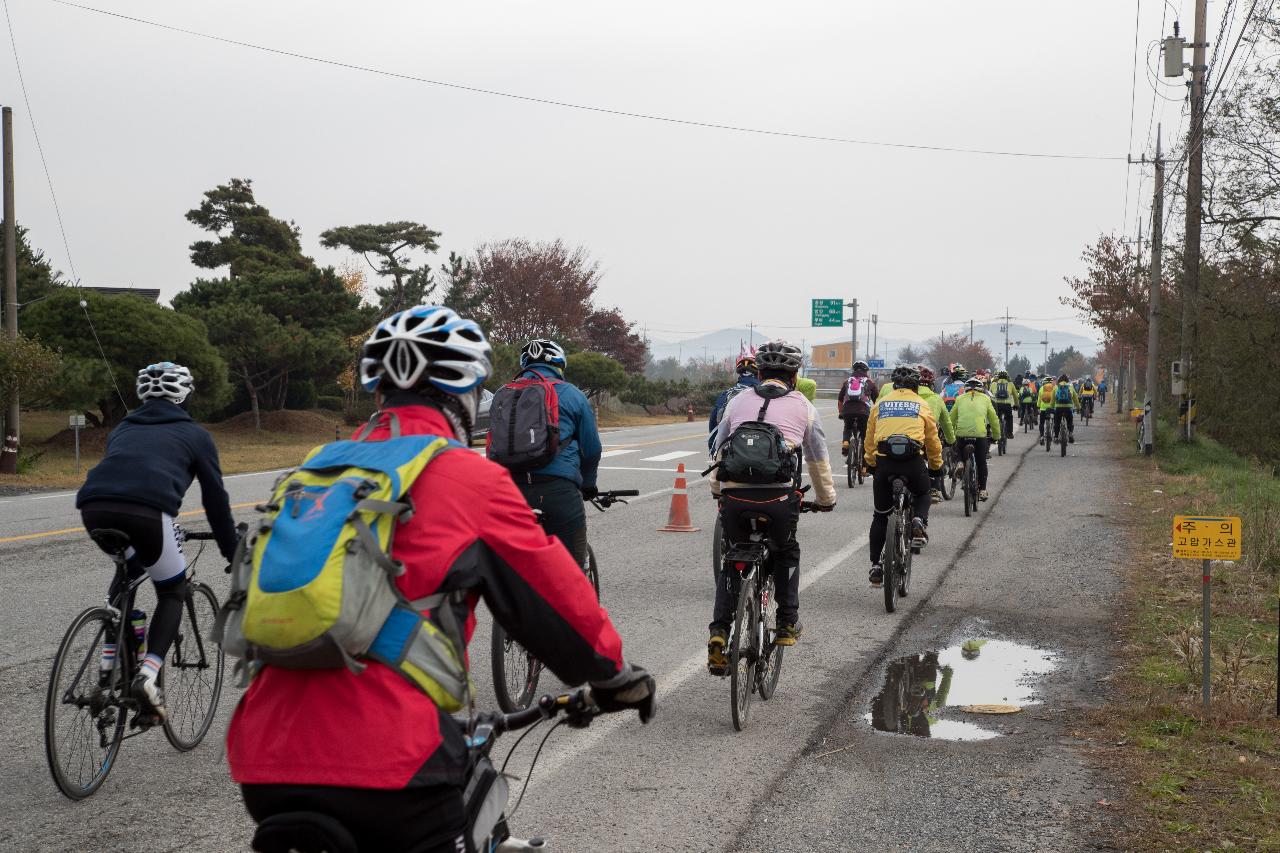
pixel 1075 398
pixel 940 414
pixel 971 414
pixel 1011 391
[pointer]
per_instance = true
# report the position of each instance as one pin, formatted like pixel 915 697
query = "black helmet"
pixel 973 383
pixel 778 355
pixel 860 365
pixel 906 376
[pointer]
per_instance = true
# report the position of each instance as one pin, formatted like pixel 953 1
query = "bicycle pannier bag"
pixel 757 453
pixel 314 586
pixel 524 423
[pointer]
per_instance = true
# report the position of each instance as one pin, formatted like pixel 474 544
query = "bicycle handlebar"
pixel 604 500
pixel 206 535
pixel 578 707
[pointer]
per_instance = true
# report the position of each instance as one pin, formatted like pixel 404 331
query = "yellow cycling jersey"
pixel 903 412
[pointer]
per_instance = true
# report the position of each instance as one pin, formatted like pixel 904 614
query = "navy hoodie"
pixel 151 459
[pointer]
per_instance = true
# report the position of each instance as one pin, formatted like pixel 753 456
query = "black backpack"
pixel 524 424
pixel 757 453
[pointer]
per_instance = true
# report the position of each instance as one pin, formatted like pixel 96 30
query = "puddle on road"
pixel 923 694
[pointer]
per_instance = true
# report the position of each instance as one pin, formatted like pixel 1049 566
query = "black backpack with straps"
pixel 757 454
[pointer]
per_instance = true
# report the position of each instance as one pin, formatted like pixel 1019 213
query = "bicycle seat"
pixel 114 542
pixel 303 832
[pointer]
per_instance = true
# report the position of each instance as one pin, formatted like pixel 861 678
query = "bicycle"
pixel 1049 435
pixel 853 460
pixel 485 793
pixel 899 546
pixel 515 671
pixel 969 479
pixel 1086 409
pixel 1061 437
pixel 950 472
pixel 99 702
pixel 1028 418
pixel 755 659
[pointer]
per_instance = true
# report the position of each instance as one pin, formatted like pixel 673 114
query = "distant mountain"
pixel 725 343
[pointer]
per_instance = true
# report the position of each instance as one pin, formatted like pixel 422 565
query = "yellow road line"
pixel 27 536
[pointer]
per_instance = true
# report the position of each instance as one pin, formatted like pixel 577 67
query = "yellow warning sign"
pixel 1204 537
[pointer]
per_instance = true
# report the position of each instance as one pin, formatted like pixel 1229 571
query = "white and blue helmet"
pixel 426 343
pixel 542 351
pixel 165 380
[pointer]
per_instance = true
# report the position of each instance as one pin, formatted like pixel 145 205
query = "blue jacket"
pixel 717 411
pixel 579 455
pixel 151 459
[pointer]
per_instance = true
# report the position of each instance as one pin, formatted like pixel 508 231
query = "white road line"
pixel 608 454
pixel 688 472
pixel 660 492
pixel 675 679
pixel 670 457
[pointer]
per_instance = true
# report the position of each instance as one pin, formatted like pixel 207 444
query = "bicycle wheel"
pixel 848 467
pixel 193 674
pixel 947 483
pixel 770 666
pixel 592 571
pixel 1048 438
pixel 892 559
pixel 1062 440
pixel 515 672
pixel 742 651
pixel 904 575
pixel 857 465
pixel 83 723
pixel 967 486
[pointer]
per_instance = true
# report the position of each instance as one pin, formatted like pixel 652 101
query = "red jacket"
pixel 472 530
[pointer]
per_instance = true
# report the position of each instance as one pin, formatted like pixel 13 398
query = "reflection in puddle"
pixel 921 691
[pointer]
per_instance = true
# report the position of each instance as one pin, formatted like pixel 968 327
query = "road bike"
pixel 1027 418
pixel 899 545
pixel 1061 437
pixel 969 478
pixel 853 460
pixel 515 671
pixel 1086 409
pixel 1049 435
pixel 755 659
pixel 950 473
pixel 486 793
pixel 87 707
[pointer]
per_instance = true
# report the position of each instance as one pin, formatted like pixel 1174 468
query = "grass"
pixel 621 419
pixel 1203 782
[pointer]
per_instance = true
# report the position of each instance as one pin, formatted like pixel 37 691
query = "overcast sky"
pixel 694 228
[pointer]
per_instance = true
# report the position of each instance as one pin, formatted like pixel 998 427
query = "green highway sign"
pixel 828 312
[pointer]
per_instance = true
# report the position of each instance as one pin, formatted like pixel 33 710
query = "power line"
pixel 1222 76
pixel 1133 100
pixel 22 83
pixel 585 107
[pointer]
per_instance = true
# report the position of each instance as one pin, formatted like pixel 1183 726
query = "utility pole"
pixel 866 341
pixel 751 334
pixel 853 324
pixel 1195 181
pixel 971 331
pixel 1045 366
pixel 1130 384
pixel 1153 320
pixel 9 456
pixel 875 335
pixel 1006 337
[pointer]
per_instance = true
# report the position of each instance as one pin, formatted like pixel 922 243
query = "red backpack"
pixel 524 423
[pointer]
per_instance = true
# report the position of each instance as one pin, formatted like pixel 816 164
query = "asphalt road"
pixel 1023 572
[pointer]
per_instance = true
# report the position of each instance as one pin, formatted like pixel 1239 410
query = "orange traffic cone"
pixel 678 520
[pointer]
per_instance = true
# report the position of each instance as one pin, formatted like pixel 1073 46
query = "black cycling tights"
pixel 407 820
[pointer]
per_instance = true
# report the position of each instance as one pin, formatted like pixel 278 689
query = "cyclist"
pixel 560 488
pixel 1087 394
pixel 974 418
pixel 946 432
pixel 1004 394
pixel 1102 390
pixel 740 504
pixel 373 750
pixel 954 384
pixel 1027 399
pixel 1044 403
pixel 138 487
pixel 901 413
pixel 1065 402
pixel 857 395
pixel 748 377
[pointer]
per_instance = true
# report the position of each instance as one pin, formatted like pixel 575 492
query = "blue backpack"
pixel 1063 394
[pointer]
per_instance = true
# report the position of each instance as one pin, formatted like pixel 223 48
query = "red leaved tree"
pixel 945 349
pixel 524 290
pixel 607 331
